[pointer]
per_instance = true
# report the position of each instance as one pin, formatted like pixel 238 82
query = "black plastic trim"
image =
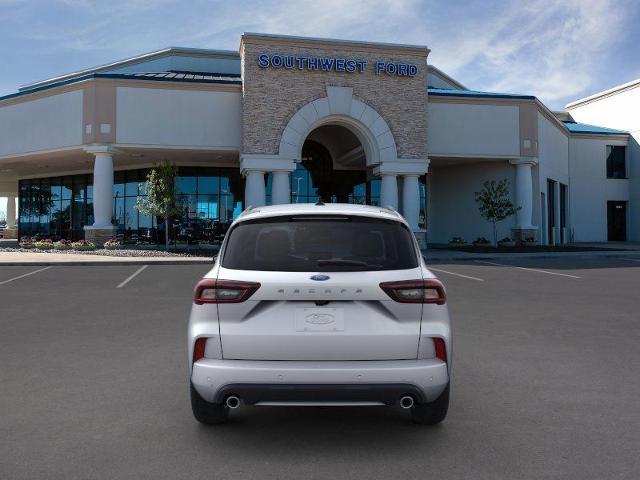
pixel 387 393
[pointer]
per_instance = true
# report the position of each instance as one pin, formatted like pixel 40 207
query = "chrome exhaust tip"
pixel 232 401
pixel 406 402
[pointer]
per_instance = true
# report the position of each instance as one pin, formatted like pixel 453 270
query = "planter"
pixel 457 245
pixel 529 244
pixel 481 244
pixel 506 244
pixel 62 247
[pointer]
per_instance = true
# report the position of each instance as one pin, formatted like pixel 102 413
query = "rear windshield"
pixel 319 244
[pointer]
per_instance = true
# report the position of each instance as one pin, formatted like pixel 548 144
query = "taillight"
pixel 198 349
pixel 223 291
pixel 416 291
pixel 441 349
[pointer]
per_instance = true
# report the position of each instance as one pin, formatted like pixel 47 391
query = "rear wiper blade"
pixel 342 261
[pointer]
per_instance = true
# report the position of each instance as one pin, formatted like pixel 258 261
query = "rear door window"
pixel 319 244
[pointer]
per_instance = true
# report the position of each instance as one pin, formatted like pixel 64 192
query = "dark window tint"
pixel 320 244
pixel 616 162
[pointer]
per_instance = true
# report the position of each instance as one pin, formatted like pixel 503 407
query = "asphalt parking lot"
pixel 93 383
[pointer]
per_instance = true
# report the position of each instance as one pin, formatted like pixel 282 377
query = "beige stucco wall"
pixel 178 117
pixel 54 121
pixel 466 129
pixel 271 96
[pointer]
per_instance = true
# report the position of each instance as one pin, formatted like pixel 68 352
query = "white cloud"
pixel 545 48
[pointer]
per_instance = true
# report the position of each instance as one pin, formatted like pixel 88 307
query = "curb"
pixel 547 255
pixel 90 263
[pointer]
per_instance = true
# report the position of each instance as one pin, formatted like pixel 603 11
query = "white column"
pixel 280 189
pixel 11 212
pixel 524 193
pixel 389 190
pixel 254 190
pixel 411 200
pixel 103 190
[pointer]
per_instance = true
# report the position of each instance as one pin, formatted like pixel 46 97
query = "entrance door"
pixel 617 221
pixel 551 211
pixel 543 215
pixel 563 213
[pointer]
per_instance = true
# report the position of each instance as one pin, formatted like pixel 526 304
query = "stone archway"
pixel 340 108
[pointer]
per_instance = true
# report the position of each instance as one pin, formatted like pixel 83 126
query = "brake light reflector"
pixel 199 348
pixel 223 291
pixel 441 349
pixel 416 291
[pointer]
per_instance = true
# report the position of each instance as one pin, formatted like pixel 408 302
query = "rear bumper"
pixel 326 382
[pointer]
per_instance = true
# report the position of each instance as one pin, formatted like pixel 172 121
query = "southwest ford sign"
pixel 333 64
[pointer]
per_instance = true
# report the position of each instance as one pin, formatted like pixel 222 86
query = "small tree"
pixel 494 203
pixel 161 199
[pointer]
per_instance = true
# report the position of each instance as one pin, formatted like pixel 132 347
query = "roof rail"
pixel 246 211
pixel 393 210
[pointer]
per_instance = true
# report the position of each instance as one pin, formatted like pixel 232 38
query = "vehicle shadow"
pixel 330 430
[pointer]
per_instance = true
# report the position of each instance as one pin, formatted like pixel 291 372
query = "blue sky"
pixel 557 50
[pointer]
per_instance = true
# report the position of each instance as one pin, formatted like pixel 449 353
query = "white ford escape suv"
pixel 319 305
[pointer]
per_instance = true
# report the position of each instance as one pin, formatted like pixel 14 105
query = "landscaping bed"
pixel 128 252
pixel 522 248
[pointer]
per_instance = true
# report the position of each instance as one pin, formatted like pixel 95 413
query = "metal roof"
pixel 585 128
pixel 183 75
pixel 186 77
pixel 135 60
pixel 475 93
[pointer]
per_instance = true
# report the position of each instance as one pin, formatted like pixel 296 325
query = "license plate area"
pixel 319 319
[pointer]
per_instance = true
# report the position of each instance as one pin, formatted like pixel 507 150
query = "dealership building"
pixel 291 119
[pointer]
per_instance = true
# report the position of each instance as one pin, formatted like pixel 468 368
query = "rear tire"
pixel 434 412
pixel 207 412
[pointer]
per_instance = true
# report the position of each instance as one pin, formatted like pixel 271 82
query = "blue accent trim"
pixel 584 128
pixel 444 92
pixel 121 76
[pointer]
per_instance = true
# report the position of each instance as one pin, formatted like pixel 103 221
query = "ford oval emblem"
pixel 319 278
pixel 319 318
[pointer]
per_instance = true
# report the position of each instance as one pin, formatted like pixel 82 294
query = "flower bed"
pixel 62 245
pixel 507 242
pixel 457 242
pixel 481 242
pixel 113 244
pixel 83 246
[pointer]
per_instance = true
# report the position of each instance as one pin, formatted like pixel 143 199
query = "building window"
pixel 60 207
pixel 616 161
pixel 304 190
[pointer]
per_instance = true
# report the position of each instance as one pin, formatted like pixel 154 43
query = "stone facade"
pixel 271 96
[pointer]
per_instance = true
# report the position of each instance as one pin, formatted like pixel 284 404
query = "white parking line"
pixel 457 274
pixel 25 275
pixel 632 259
pixel 132 276
pixel 529 269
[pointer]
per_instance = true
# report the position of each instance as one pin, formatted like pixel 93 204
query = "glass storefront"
pixel 59 207
pixel 55 207
pixel 305 190
pixel 210 198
